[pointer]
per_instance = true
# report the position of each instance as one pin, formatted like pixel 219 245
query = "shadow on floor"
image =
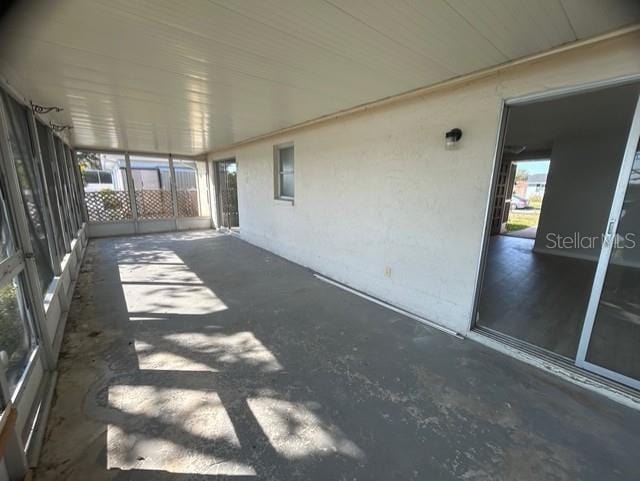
pixel 196 356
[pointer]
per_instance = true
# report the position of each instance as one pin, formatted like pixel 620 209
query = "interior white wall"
pixel 580 187
pixel 4 476
pixel 377 190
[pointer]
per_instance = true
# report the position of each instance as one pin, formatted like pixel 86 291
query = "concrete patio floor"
pixel 196 356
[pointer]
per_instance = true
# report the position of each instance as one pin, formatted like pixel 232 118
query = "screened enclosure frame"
pixel 138 223
pixel 35 291
pixel 41 195
pixel 12 270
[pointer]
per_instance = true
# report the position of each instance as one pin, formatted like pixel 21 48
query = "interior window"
pixel 285 163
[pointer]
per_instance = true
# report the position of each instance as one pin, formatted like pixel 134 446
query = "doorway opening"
pixel 227 193
pixel 561 270
pixel 527 194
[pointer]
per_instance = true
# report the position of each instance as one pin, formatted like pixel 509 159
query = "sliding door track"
pixel 556 360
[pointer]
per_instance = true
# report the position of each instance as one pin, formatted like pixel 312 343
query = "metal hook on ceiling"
pixel 60 128
pixel 41 109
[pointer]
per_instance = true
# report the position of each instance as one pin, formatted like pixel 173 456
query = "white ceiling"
pixel 538 125
pixel 189 76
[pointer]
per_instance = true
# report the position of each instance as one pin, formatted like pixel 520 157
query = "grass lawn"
pixel 535 203
pixel 519 220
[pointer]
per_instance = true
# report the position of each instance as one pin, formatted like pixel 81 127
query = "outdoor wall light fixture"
pixel 452 138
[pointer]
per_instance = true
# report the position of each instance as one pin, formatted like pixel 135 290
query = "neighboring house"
pixel 520 188
pixel 148 174
pixel 536 184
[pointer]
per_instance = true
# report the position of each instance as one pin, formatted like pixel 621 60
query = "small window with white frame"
pixel 284 168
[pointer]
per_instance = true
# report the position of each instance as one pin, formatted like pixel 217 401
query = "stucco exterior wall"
pixel 381 205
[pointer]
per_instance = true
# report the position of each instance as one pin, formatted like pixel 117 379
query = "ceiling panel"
pixel 189 76
pixel 591 17
pixel 518 27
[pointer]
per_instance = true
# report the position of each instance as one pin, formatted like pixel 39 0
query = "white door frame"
pixel 605 256
pixel 615 212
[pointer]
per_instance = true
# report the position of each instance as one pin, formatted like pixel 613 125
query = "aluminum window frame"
pixel 69 226
pixel 168 158
pixel 52 189
pixel 67 236
pixel 34 292
pixel 202 197
pixel 33 171
pixel 76 177
pixel 22 265
pixel 52 234
pixel 278 172
pixel 73 199
pixel 30 387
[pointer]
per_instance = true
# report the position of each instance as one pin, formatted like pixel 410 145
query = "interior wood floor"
pixel 537 298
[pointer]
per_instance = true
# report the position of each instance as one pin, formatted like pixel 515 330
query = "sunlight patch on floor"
pixel 169 299
pixel 194 351
pixel 156 289
pixel 173 430
pixel 296 432
pixel 170 274
pixel 130 252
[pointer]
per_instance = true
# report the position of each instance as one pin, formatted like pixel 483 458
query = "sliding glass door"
pixel 610 340
pixel 572 292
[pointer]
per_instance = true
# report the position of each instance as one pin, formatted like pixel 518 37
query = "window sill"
pixel 285 200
